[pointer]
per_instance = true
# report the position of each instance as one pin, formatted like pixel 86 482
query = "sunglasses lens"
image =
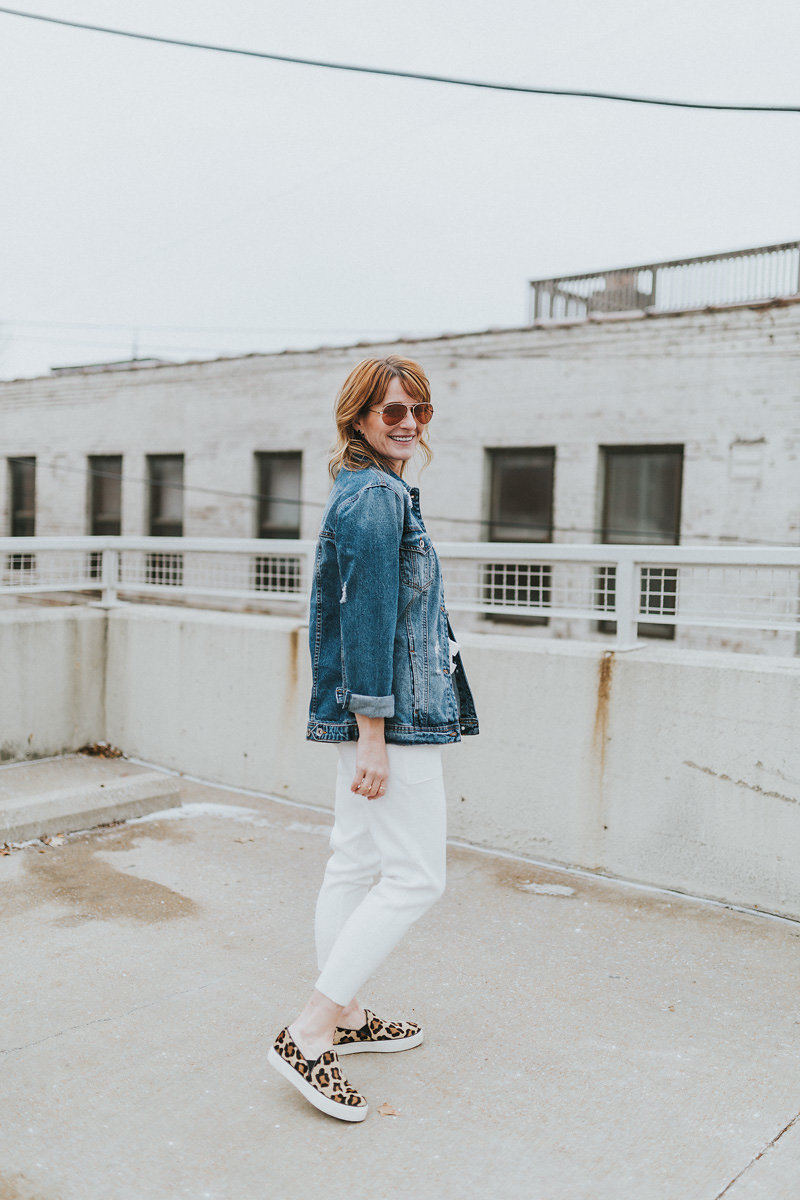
pixel 393 413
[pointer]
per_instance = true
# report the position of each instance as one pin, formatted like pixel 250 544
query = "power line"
pixel 460 82
pixel 528 525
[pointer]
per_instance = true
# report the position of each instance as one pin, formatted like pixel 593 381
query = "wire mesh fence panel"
pixel 239 574
pixel 47 570
pixel 759 597
pixel 510 587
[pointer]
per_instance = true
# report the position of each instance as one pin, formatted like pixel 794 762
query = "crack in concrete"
pixel 102 1020
pixel 753 787
pixel 760 1154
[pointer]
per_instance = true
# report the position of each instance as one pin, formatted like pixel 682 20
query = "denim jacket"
pixel 378 630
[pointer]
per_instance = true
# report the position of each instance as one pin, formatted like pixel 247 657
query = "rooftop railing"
pixel 730 587
pixel 736 276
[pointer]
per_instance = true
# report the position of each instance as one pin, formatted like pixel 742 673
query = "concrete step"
pixel 77 792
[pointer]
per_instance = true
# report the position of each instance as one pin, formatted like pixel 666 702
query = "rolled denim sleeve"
pixel 369 529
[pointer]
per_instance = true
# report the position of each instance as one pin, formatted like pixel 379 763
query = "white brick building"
pixel 686 423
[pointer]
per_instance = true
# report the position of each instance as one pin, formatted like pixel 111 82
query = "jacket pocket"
pixel 416 559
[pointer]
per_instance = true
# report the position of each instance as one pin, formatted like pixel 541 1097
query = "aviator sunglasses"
pixel 394 411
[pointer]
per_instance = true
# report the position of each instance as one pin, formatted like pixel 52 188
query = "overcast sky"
pixel 221 204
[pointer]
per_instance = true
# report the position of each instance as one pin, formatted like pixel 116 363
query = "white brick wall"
pixel 723 383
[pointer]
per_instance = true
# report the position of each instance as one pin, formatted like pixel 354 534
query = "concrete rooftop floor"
pixel 599 1043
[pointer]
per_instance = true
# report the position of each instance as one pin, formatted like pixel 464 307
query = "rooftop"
pixel 759 277
pixel 582 1037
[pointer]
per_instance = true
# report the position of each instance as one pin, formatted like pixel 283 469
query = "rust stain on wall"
pixel 293 651
pixel 600 732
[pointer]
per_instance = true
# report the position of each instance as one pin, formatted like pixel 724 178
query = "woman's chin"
pixel 395 450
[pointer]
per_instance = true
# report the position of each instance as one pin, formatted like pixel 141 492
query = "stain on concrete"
pixel 13 752
pixel 288 715
pixel 600 731
pixel 520 876
pixel 74 876
pixel 752 787
pixel 17 1187
pixel 546 889
pixel 593 819
pixel 293 649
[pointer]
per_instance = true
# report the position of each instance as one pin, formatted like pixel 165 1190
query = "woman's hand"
pixel 372 760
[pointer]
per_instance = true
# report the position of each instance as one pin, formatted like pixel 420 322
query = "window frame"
pixel 262 457
pixel 153 485
pixel 93 517
pixel 17 515
pixel 607 451
pixel 493 455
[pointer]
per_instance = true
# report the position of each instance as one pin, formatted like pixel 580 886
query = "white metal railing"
pixel 736 587
pixel 735 276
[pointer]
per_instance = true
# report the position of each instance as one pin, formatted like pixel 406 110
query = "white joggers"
pixel 401 834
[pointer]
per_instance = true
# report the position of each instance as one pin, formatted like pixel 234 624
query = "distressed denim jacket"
pixel 378 630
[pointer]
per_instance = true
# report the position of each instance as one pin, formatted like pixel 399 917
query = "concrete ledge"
pixel 67 809
pixel 676 768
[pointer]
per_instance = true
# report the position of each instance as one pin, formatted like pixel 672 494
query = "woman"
pixel 389 687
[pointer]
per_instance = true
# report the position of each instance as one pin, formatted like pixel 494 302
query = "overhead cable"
pixel 396 72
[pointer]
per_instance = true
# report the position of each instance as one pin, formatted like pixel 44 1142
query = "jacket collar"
pixel 411 491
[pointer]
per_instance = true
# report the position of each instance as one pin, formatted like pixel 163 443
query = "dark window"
pixel 520 510
pixel 23 496
pixel 165 493
pixel 278 478
pixel 105 494
pixel 278 516
pixel 105 502
pixel 22 474
pixel 642 506
pixel 165 515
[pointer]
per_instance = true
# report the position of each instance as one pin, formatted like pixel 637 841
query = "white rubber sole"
pixel 380 1047
pixel 332 1108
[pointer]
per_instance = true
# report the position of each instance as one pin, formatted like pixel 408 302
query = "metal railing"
pixel 761 273
pixel 730 587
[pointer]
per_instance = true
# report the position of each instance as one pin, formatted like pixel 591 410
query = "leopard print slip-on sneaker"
pixel 375 1034
pixel 321 1080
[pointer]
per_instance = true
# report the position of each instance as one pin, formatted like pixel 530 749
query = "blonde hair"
pixel 365 387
